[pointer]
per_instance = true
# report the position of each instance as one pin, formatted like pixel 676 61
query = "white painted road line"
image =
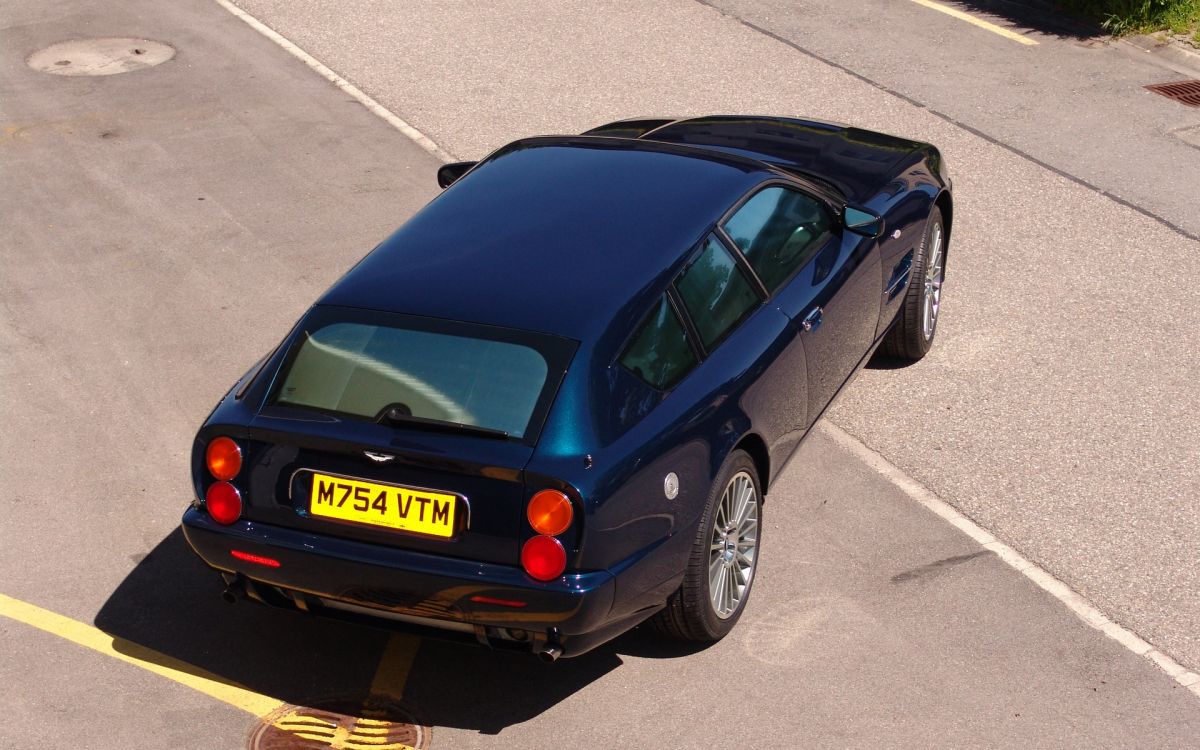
pixel 1074 601
pixel 986 25
pixel 325 72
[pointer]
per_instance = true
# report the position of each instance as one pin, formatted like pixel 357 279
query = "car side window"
pixel 659 352
pixel 716 292
pixel 778 230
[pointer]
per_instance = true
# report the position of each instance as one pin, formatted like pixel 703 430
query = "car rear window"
pixel 363 368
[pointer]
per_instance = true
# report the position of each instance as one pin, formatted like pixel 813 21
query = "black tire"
pixel 690 614
pixel 909 339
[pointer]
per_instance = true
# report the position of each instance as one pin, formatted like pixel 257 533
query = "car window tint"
pixel 360 369
pixel 778 230
pixel 715 292
pixel 659 352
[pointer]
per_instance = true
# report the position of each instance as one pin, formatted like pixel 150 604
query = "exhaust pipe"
pixel 234 591
pixel 549 653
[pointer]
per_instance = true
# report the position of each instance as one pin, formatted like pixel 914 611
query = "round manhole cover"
pixel 100 57
pixel 348 724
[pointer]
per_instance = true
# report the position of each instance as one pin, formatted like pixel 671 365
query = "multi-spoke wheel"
pixel 721 567
pixel 933 283
pixel 916 323
pixel 734 545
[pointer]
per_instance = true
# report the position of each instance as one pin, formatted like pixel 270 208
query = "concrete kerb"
pixel 1170 53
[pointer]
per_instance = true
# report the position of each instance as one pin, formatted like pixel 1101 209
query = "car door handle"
pixel 812 321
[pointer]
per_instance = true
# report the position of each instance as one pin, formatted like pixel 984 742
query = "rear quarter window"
pixel 659 352
pixel 715 292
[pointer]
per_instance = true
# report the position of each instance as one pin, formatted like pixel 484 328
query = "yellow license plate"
pixel 388 505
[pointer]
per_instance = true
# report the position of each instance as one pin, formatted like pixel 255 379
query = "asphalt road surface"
pixel 1058 410
pixel 163 228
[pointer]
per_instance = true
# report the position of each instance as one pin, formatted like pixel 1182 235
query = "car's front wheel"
pixel 721 568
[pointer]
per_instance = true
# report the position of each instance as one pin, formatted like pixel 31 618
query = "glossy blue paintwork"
pixel 856 161
pixel 577 237
pixel 550 234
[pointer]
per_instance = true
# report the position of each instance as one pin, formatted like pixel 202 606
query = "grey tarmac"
pixel 164 228
pixel 1057 409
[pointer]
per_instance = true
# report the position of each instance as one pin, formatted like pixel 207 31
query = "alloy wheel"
pixel 932 301
pixel 734 546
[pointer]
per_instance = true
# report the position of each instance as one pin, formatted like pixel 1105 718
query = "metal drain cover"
pixel 100 57
pixel 343 725
pixel 1184 92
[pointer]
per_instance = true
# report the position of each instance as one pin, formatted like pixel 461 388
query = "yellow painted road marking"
pixel 129 652
pixel 960 15
pixel 388 683
pixel 392 672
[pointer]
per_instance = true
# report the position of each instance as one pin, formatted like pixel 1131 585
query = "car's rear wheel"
pixel 912 336
pixel 720 570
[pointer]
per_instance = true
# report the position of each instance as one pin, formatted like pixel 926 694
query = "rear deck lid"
pixel 856 161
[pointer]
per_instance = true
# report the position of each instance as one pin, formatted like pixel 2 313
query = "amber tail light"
pixel 223 458
pixel 550 512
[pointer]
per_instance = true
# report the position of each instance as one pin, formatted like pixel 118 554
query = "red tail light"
pixel 500 602
pixel 224 458
pixel 549 512
pixel 270 562
pixel 543 558
pixel 224 503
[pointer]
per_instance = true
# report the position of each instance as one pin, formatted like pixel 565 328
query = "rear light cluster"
pixel 223 458
pixel 549 513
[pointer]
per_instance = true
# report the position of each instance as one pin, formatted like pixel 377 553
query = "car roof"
pixel 565 235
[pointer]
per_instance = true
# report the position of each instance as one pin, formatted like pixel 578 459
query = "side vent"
pixel 899 281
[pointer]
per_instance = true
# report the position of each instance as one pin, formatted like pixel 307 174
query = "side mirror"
pixel 861 221
pixel 447 174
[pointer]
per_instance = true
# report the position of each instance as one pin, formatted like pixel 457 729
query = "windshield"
pixel 372 370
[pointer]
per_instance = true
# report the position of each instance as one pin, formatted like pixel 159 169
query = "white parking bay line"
pixel 325 72
pixel 986 25
pixel 1074 601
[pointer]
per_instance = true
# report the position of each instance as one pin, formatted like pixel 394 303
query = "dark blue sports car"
pixel 550 406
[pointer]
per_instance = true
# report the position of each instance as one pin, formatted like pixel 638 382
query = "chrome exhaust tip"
pixel 549 653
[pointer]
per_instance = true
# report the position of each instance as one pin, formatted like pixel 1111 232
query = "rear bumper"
pixel 351 579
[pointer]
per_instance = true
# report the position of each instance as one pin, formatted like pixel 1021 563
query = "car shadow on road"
pixel 1036 15
pixel 881 361
pixel 170 602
